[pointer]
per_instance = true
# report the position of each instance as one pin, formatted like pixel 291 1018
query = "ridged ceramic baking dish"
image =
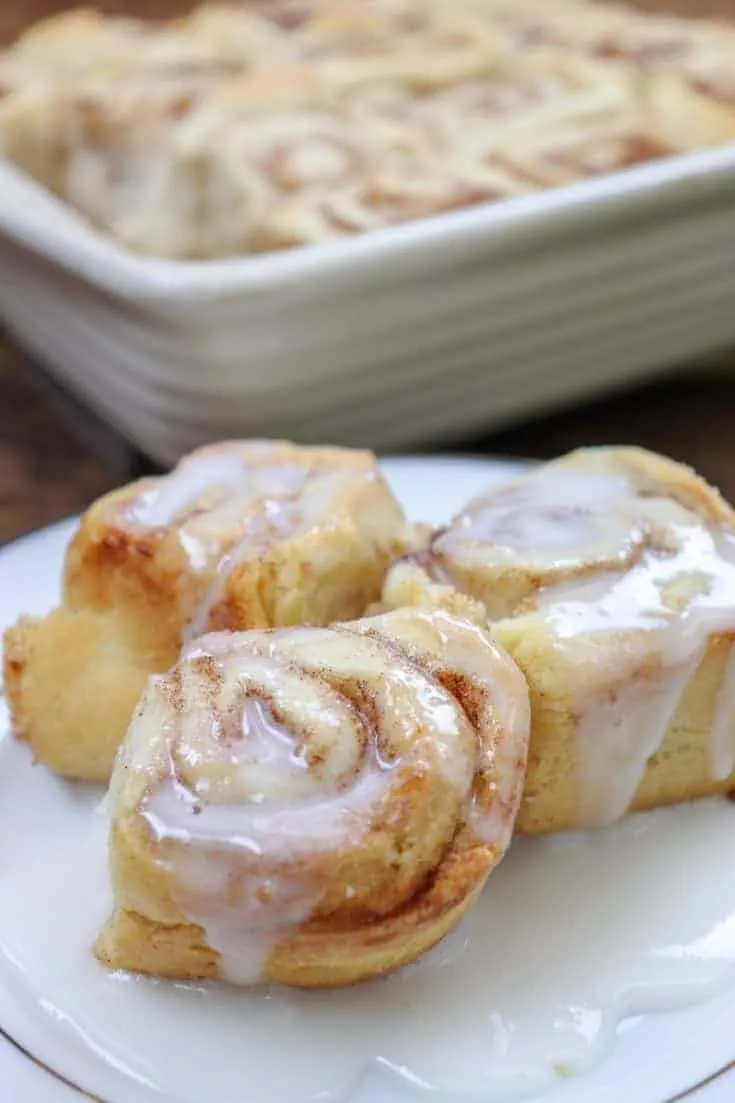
pixel 406 336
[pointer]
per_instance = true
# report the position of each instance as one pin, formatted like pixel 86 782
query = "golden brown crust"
pixel 312 544
pixel 72 681
pixel 180 952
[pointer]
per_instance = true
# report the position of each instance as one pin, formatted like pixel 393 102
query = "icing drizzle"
pixel 283 766
pixel 634 584
pixel 229 503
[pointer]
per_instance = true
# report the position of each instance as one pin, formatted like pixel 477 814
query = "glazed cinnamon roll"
pixel 609 575
pixel 239 535
pixel 313 806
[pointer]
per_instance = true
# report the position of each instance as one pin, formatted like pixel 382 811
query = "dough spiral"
pixel 314 806
pixel 609 576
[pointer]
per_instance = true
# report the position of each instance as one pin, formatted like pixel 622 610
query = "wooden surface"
pixel 47 470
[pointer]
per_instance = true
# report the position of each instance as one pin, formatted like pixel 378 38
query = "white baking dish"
pixel 419 333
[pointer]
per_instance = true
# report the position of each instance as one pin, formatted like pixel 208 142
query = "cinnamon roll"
pixel 609 576
pixel 313 806
pixel 239 535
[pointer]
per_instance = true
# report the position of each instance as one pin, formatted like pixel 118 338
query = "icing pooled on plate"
pixel 524 995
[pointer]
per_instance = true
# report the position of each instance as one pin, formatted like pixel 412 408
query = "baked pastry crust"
pixel 609 576
pixel 244 128
pixel 240 535
pixel 313 806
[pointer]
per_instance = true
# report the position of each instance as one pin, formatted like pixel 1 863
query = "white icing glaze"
pixel 722 740
pixel 622 730
pixel 523 989
pixel 322 492
pixel 241 491
pixel 281 831
pixel 284 500
pixel 178 491
pixel 252 505
pixel 559 515
pixel 269 749
pixel 244 916
pixel 654 581
pixel 234 502
pixel 633 655
pixel 636 599
pixel 195 552
pixel 240 832
pixel 250 813
pixel 275 519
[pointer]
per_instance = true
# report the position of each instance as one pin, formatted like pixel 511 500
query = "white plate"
pixel 396 338
pixel 655 1058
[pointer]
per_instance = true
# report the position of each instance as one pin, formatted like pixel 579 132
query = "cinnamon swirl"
pixel 313 806
pixel 609 575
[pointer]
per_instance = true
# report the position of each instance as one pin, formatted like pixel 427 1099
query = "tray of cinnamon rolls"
pixel 383 223
pixel 323 724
